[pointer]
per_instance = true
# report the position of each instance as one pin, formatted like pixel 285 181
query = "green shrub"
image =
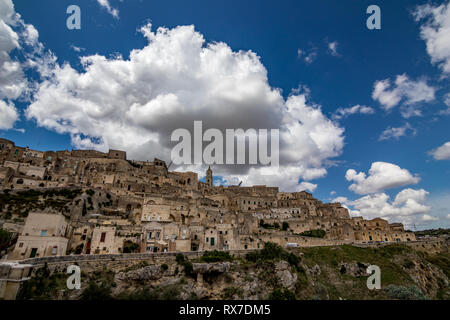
pixel 279 294
pixel 230 292
pixel 169 292
pixel 405 293
pixel 216 256
pixel 264 225
pixel 273 251
pixel 5 237
pixel 285 226
pixel 440 260
pixel 313 233
pixel 408 264
pixel 179 258
pixel 188 268
pixel 96 292
pixel 43 285
pixel 130 247
pixel 164 267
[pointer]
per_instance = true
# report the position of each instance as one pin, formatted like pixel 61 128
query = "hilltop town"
pixel 89 202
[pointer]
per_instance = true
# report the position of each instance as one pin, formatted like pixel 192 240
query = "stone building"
pixel 44 234
pixel 127 205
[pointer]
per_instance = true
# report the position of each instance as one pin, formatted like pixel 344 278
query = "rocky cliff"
pixel 336 272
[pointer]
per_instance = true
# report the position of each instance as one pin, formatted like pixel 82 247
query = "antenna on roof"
pixel 169 165
pixel 239 184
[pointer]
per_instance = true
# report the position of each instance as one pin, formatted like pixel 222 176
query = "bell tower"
pixel 209 177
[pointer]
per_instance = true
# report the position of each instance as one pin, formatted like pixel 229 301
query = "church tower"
pixel 209 177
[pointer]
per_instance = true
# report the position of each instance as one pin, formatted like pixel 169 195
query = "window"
pixel 102 237
pixel 43 233
pixel 21 245
pixel 207 239
pixel 212 241
pixel 54 250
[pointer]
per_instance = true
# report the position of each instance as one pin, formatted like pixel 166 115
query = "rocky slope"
pixel 273 273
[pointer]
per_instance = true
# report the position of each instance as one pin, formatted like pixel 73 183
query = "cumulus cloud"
pixel 112 11
pixel 134 104
pixel 427 217
pixel 408 207
pixel 447 99
pixel 12 81
pixel 17 36
pixel 308 186
pixel 396 133
pixel 382 175
pixel 345 112
pixel 332 48
pixel 441 153
pixel 307 55
pixel 76 49
pixel 447 103
pixel 409 93
pixel 435 32
pixel 8 115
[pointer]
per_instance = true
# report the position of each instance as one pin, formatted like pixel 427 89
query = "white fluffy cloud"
pixel 307 56
pixel 332 47
pixel 134 104
pixel 345 112
pixel 435 32
pixel 8 115
pixel 112 11
pixel 308 186
pixel 396 133
pixel 408 207
pixel 382 175
pixel 12 81
pixel 441 153
pixel 404 91
pixel 15 34
pixel 446 112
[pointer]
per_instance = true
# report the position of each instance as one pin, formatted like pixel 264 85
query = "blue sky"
pixel 284 35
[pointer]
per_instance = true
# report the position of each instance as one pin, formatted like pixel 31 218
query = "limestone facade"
pixel 141 206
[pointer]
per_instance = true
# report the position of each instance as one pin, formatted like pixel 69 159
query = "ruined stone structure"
pixel 125 206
